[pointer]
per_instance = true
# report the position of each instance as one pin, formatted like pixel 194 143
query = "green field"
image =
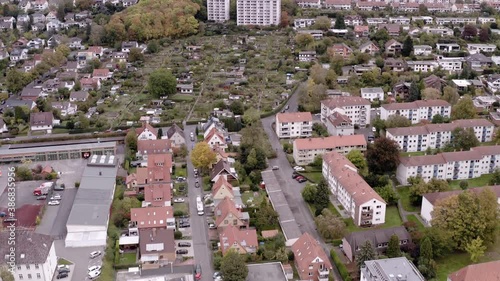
pixel 414 219
pixel 404 194
pixel 392 219
pixel 483 180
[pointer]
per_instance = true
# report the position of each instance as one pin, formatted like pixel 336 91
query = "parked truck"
pixel 43 189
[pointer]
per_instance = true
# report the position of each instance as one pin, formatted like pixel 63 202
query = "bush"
pixel 340 266
pixel 177 235
pixel 77 184
pixel 179 213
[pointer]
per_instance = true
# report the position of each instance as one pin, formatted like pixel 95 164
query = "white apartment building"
pixel 483 20
pixel 359 200
pixel 450 64
pixel 422 50
pixel 218 10
pixel 443 21
pixel 36 257
pixel 422 66
pixel 447 47
pixel 294 125
pixel 357 109
pixel 442 31
pixel 401 268
pixel 376 21
pixel 399 20
pixel 478 48
pixel 417 110
pixel 411 139
pixel 458 165
pixel 372 94
pixel 303 23
pixel 258 12
pixel 306 150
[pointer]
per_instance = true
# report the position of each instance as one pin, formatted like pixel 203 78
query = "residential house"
pixel 369 47
pixel 185 88
pixel 223 169
pixel 372 94
pixel 417 110
pixel 78 96
pixel 4 54
pixel 371 6
pixel 358 199
pixel 157 195
pixel 156 247
pixel 305 151
pixel 357 109
pixel 128 45
pixel 447 47
pixel 395 65
pixel 307 56
pixel 3 126
pixel 90 84
pixel 147 147
pixel 478 62
pixel 309 3
pixel 361 30
pixel 393 29
pixel 216 139
pixel 38 18
pixel 147 132
pixel 451 64
pixel 422 50
pixel 455 21
pixel 379 239
pixel 463 85
pixel 24 5
pixel 485 271
pixel 102 74
pixel 228 214
pixel 13 102
pixel 340 49
pixel 294 124
pixel 422 66
pixel 425 19
pixel 311 261
pixel 176 136
pixel 429 200
pixel 493 82
pixel 65 108
pixel 481 48
pixel 353 20
pixel 400 20
pixel 483 103
pixel 54 25
pixel 18 55
pixel 440 31
pixel 222 189
pixel 303 23
pixel 376 21
pixel 39 5
pixel 459 165
pixel 421 138
pixel 393 47
pixel 41 121
pixel 401 89
pixel 435 82
pixel 31 93
pixel 376 270
pixel 75 43
pixel 243 241
pixel 339 124
pixel 338 4
pixel 153 217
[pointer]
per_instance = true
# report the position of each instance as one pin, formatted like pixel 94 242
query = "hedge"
pixel 340 266
pixel 282 105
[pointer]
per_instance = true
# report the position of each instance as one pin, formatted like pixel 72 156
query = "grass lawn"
pixel 451 263
pixel 63 261
pixel 476 182
pixel 330 207
pixel 314 177
pixel 180 172
pixel 392 219
pixel 404 194
pixel 255 196
pixel 182 97
pixel 60 131
pixel 127 258
pixel 181 207
pixel 414 219
pixel 416 153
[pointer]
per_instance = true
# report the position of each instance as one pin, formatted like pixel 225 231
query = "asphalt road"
pixel 291 188
pixel 199 226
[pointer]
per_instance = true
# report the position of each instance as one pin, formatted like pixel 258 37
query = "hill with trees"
pixel 153 19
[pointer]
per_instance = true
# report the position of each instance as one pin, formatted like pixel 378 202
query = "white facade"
pixel 412 139
pixel 43 271
pixel 359 200
pixel 450 64
pixel 478 48
pixel 303 23
pixel 356 109
pixel 146 135
pixel 294 125
pixel 258 12
pixel 422 66
pixel 447 47
pixel 458 20
pixel 306 150
pixel 422 50
pixel 450 165
pixel 372 94
pixel 218 10
pixel 426 210
pixel 416 111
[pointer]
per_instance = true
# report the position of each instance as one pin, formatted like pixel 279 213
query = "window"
pixel 27 266
pixel 29 276
pixel 38 276
pixel 20 277
pixel 36 266
pixel 18 267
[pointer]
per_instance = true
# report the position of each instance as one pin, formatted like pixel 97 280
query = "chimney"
pixel 100 173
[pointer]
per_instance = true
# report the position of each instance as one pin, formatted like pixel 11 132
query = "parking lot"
pixel 79 257
pixel 190 251
pixel 27 207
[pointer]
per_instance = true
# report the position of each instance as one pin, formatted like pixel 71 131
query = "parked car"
pixel 41 197
pixel 184 225
pixel 179 200
pixel 301 180
pixel 62 270
pixel 181 179
pixel 212 226
pixel 276 168
pixel 197 272
pixel 197 184
pixel 95 268
pixel 299 169
pixel 62 275
pixel 59 187
pixel 184 244
pixel 59 266
pixel 181 252
pixel 95 254
pixel 55 197
pixel 54 203
pixel 94 274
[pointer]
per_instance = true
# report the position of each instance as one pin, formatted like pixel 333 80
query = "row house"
pixel 157 247
pixel 438 7
pixel 455 21
pixel 307 56
pixel 463 85
pixel 294 124
pixel 353 20
pixel 376 21
pixel 451 64
pixel 417 110
pixel 303 23
pixel 400 20
pixel 405 7
pixel 424 19
pixel 466 8
pixel 359 200
pixel 422 50
pixel 441 31
pixel 309 4
pixel 460 165
pixel 481 48
pixel 485 20
pixel 306 150
pixel 357 109
pixel 338 4
pixel 153 217
pixel 447 47
pixel 371 6
pixel 421 138
pixel 422 66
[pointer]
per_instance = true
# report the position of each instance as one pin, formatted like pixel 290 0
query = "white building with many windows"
pixel 417 110
pixel 359 200
pixel 294 125
pixel 258 12
pixel 481 48
pixel 306 150
pixel 458 165
pixel 357 109
pixel 218 10
pixel 422 66
pixel 420 138
pixel 35 255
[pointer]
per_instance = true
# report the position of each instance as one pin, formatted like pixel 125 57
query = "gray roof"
pixel 390 269
pixel 95 194
pixel 59 148
pixel 372 90
pixel 375 236
pixel 31 247
pixel 11 102
pixel 173 129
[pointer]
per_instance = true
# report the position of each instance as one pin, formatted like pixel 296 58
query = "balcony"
pixel 368 215
pixel 323 274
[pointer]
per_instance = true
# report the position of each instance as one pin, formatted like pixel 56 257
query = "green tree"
pixel 237 107
pixel 366 253
pixel 388 194
pixel 426 263
pixel 441 241
pixel 383 156
pixel 266 216
pixel 462 139
pixel 6 275
pixel 393 249
pixel 329 225
pixel 135 55
pixel 407 47
pixel 322 199
pixel 475 249
pixel 464 184
pixel 17 80
pixel 320 130
pixel 303 39
pixel 160 133
pixel 251 116
pixel 24 173
pixel 309 193
pixel 495 179
pixel 317 162
pixel 413 92
pixel 439 119
pixel 464 109
pixel 131 141
pixel 162 83
pixel 431 94
pixel 485 34
pixel 419 187
pixel 322 23
pixel 310 99
pixel 358 160
pixel 397 121
pixel 233 267
pixel 318 74
pixel 203 156
pixel 450 95
pixel 340 22
pixel 153 47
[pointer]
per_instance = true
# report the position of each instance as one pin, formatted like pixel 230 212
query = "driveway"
pixel 79 257
pixel 199 226
pixel 55 217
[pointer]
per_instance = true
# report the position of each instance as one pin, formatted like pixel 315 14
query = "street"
pixel 199 226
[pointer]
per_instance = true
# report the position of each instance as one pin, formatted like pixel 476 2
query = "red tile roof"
pixel 344 101
pixel 214 132
pixel 102 72
pixel 306 249
pixel 331 142
pixel 488 271
pixel 224 208
pixel 245 238
pixel 149 127
pixel 220 183
pixel 154 146
pixel 151 216
pixel 157 194
pixel 289 117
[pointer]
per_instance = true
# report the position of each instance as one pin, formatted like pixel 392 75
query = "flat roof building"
pixel 390 269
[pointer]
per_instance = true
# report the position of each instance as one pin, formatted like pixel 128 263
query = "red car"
pixel 197 272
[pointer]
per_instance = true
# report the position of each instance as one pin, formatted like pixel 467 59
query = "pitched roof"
pixel 214 132
pixel 306 249
pixel 156 240
pixel 487 271
pixel 153 146
pixel 219 184
pixel 41 119
pixel 475 153
pixel 337 118
pixel 224 208
pixel 219 167
pixel 445 127
pixel 147 126
pixel 434 197
pixel 375 236
pixel 342 101
pixel 289 117
pixel 102 72
pixel 174 129
pixel 346 174
pixel 392 42
pixel 31 247
pixel 151 216
pixel 157 194
pixel 246 238
pixel 415 104
pixel 331 142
